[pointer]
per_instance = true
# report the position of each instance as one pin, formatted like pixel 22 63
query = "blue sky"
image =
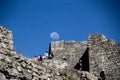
pixel 32 21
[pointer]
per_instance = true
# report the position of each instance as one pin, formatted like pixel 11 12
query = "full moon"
pixel 54 36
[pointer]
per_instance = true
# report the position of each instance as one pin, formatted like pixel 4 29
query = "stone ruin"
pixel 97 54
pixel 15 66
pixel 6 39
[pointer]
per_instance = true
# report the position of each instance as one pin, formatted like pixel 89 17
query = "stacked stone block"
pixel 71 50
pixel 104 54
pixel 6 38
pixel 14 66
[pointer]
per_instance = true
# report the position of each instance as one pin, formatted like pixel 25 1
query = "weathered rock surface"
pixel 97 54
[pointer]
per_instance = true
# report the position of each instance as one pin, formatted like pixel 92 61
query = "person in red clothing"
pixel 35 58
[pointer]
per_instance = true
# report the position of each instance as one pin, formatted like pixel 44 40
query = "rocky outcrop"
pixel 15 66
pixel 97 54
pixel 6 38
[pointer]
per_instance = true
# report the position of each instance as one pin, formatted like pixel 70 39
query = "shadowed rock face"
pixel 97 54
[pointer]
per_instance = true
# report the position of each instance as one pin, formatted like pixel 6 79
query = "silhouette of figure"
pixel 39 58
pixel 46 54
pixel 64 58
pixel 102 75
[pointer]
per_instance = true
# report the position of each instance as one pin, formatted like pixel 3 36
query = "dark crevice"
pixel 83 63
pixel 77 66
pixel 7 74
pixel 85 60
pixel 23 78
pixel 50 54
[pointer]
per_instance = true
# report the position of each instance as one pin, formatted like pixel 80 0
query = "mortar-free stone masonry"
pixel 97 54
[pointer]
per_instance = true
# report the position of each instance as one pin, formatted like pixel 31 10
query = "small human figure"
pixel 39 58
pixel 102 75
pixel 64 58
pixel 46 54
pixel 81 75
pixel 43 57
pixel 50 55
pixel 35 58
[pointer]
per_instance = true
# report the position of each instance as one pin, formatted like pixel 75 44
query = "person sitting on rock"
pixel 102 75
pixel 35 58
pixel 46 54
pixel 64 58
pixel 39 58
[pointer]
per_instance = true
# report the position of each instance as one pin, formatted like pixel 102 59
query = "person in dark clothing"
pixel 64 58
pixel 102 75
pixel 39 58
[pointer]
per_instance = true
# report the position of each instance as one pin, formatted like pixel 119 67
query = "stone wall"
pixel 104 55
pixel 14 66
pixel 71 50
pixel 6 38
pixel 98 54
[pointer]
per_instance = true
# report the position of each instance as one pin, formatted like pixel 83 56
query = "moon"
pixel 54 36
